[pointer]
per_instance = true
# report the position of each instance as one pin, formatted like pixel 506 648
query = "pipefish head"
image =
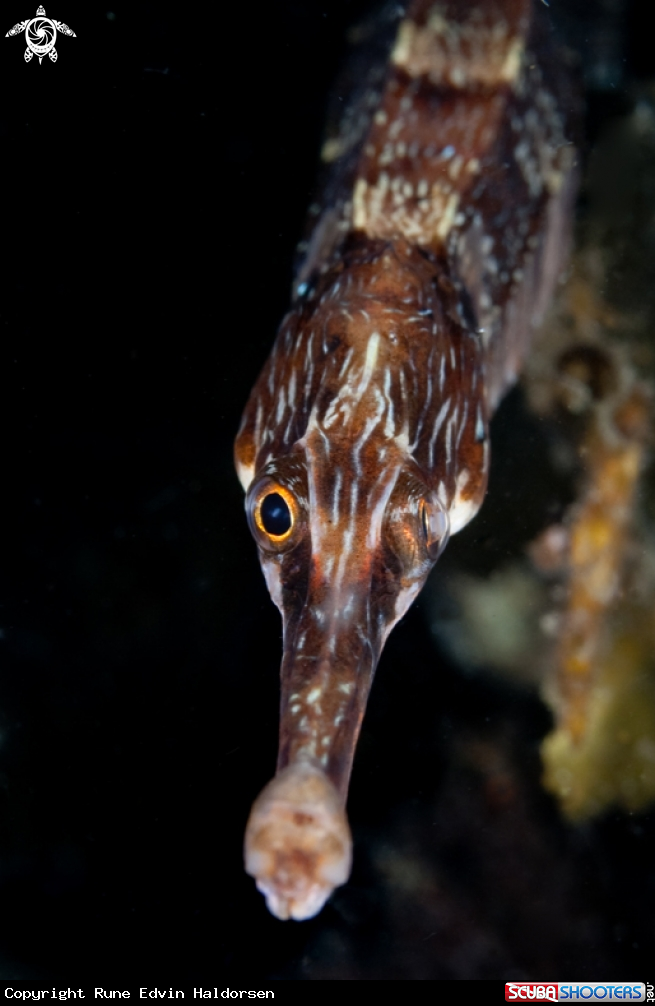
pixel 348 523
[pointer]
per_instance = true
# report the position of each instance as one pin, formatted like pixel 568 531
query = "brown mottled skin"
pixel 430 259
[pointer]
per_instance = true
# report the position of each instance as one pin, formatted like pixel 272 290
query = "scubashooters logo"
pixel 575 992
pixel 40 35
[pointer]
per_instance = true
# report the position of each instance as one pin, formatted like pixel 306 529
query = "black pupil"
pixel 275 514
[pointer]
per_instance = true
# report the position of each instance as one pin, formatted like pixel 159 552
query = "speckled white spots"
pixel 388 207
pixel 455 167
pixel 314 695
pixel 458 76
pixel 346 687
pixel 445 224
pixel 460 53
pixel 332 149
pixel 403 45
pixel 386 157
pixel 486 244
pixel 512 64
pixel 359 204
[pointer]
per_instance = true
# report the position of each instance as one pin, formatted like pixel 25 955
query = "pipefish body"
pixel 432 256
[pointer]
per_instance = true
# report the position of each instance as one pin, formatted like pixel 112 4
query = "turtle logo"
pixel 40 35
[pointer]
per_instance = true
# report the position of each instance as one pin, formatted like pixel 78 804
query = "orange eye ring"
pixel 275 513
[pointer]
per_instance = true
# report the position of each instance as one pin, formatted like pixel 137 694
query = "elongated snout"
pixel 298 845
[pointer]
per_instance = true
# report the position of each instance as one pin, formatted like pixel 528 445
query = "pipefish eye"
pixel 274 515
pixel 273 512
pixel 435 526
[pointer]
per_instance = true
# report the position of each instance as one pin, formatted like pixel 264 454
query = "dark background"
pixel 154 185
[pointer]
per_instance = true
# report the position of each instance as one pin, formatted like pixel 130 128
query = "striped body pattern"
pixel 430 257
